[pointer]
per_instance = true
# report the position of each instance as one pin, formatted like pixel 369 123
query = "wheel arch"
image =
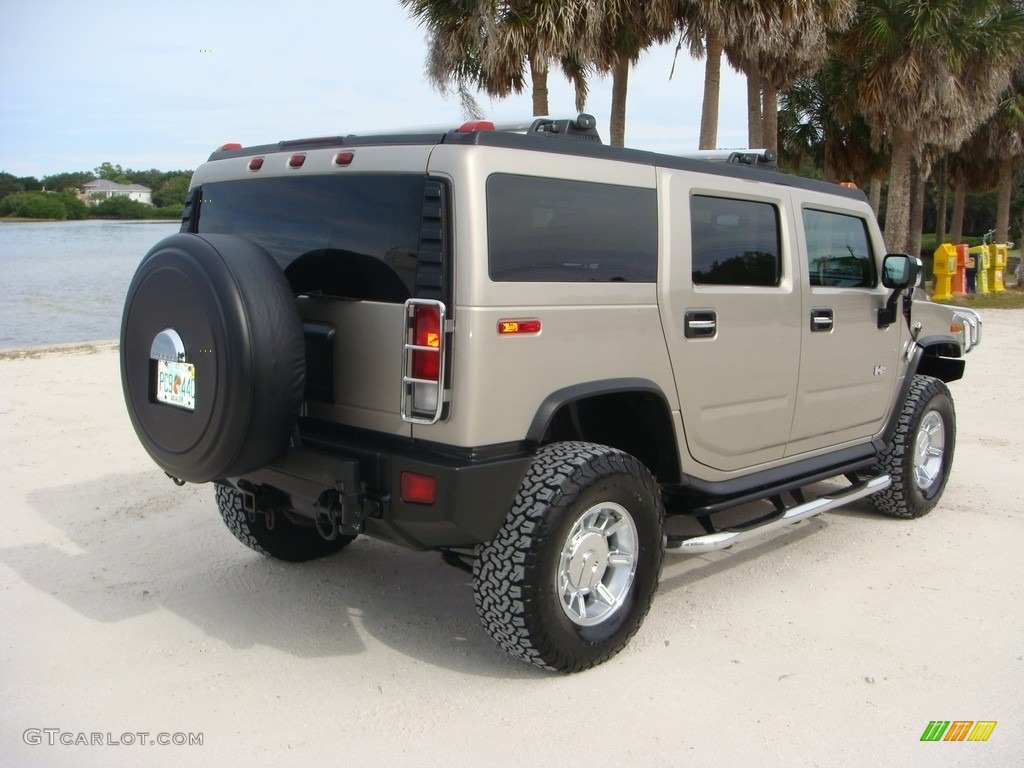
pixel 630 414
pixel 937 356
pixel 941 357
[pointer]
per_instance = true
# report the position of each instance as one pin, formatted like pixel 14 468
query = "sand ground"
pixel 126 607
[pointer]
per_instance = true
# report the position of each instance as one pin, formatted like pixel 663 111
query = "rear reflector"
pixel 518 327
pixel 418 489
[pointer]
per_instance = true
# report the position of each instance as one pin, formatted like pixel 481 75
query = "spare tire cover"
pixel 232 309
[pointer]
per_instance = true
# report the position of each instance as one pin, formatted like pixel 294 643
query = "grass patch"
pixel 1011 298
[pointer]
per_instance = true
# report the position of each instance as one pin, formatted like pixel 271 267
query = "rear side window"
pixel 838 250
pixel 350 236
pixel 735 242
pixel 554 230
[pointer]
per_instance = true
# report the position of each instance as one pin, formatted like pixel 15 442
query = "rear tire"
pixel 571 575
pixel 920 454
pixel 284 541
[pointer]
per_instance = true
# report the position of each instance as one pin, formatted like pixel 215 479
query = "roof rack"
pixel 758 158
pixel 582 127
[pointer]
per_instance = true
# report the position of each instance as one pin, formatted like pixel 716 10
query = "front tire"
pixel 283 541
pixel 571 575
pixel 920 454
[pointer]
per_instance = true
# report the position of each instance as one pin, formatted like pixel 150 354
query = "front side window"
pixel 351 236
pixel 735 242
pixel 557 230
pixel 839 251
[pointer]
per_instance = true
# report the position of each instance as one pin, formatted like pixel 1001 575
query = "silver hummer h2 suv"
pixel 551 359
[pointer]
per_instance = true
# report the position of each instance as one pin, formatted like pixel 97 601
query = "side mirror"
pixel 900 271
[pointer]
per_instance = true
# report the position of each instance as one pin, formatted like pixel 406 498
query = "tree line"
pixel 56 196
pixel 895 95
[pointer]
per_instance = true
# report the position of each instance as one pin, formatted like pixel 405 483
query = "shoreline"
pixel 66 348
pixel 23 220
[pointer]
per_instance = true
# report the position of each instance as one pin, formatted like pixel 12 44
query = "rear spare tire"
pixel 212 356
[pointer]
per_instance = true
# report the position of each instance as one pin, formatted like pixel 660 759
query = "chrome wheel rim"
pixel 929 450
pixel 597 564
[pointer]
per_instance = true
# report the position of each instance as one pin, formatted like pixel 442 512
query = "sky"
pixel 145 84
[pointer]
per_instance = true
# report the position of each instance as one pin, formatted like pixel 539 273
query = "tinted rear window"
pixel 554 230
pixel 354 236
pixel 735 242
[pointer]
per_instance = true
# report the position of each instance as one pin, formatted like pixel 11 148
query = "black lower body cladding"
pixel 226 304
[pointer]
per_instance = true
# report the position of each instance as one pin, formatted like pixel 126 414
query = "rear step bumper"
pixel 725 539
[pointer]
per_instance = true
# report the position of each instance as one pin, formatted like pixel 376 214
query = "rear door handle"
pixel 700 324
pixel 822 320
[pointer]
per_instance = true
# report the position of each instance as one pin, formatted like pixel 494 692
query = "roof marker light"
pixel 344 158
pixel 229 145
pixel 256 163
pixel 472 126
pixel 296 161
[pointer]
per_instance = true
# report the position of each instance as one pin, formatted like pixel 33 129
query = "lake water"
pixel 65 281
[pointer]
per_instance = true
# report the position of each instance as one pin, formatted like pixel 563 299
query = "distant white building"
pixel 95 192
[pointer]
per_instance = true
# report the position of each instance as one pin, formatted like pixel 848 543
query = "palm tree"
pixel 971 168
pixel 796 43
pixel 487 45
pixel 1006 146
pixel 704 27
pixel 818 120
pixel 614 34
pixel 772 41
pixel 928 74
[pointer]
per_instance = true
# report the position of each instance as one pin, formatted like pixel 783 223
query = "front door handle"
pixel 822 320
pixel 700 324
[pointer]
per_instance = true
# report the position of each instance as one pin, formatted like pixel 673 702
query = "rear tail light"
pixel 426 357
pixel 424 363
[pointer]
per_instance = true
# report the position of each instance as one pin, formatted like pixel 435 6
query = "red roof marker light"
pixel 473 126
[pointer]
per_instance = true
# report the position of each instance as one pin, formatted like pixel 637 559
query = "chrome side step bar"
pixel 725 539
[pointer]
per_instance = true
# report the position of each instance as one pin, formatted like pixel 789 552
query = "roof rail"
pixel 583 127
pixel 759 158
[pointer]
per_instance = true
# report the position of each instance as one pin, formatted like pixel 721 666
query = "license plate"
pixel 176 384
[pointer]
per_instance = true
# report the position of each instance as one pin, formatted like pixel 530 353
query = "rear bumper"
pixel 357 477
